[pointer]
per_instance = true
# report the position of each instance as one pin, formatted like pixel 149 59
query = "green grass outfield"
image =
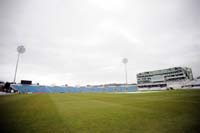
pixel 175 111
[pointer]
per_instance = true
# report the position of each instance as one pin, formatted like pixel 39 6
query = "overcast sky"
pixel 79 42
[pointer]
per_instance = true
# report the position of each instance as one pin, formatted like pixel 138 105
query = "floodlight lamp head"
pixel 125 60
pixel 21 49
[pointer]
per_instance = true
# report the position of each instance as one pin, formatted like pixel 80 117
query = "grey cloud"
pixel 83 42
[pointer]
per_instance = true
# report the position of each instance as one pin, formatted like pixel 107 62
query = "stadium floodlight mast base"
pixel 20 49
pixel 125 61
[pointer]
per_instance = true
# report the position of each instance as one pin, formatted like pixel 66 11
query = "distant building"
pixel 160 79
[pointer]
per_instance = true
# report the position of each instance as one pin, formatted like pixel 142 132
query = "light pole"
pixel 125 61
pixel 20 49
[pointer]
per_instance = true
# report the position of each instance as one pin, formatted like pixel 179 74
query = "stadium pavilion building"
pixel 164 79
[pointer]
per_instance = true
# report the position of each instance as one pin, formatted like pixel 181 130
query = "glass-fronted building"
pixel 160 78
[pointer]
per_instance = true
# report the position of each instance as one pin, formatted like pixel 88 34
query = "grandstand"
pixel 23 88
pixel 170 78
pixel 195 84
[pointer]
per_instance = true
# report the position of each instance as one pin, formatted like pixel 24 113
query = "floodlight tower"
pixel 20 49
pixel 125 61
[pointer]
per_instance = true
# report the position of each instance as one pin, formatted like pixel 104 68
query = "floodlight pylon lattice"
pixel 125 61
pixel 20 49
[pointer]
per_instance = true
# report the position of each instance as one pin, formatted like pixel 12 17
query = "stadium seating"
pixel 59 89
